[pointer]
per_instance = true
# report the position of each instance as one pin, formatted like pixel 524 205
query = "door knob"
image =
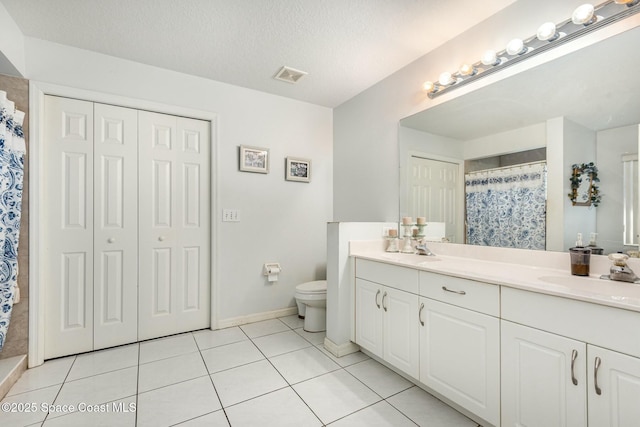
pixel 161 238
pixel 111 240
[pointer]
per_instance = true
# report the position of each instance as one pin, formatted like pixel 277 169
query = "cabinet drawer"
pixel 405 279
pixel 477 296
pixel 609 327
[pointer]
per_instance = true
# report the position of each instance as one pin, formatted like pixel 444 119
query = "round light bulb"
pixel 584 15
pixel 516 47
pixel 547 32
pixel 428 86
pixel 445 79
pixel 490 58
pixel 467 70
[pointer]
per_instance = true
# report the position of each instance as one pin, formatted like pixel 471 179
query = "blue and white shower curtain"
pixel 12 151
pixel 507 207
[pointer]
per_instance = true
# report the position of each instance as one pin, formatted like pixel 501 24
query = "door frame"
pixel 37 290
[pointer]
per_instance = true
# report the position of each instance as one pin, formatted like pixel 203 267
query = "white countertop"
pixel 551 281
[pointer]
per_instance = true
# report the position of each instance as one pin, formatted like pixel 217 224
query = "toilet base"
pixel 315 319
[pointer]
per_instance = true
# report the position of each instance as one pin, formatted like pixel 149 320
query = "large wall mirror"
pixel 581 108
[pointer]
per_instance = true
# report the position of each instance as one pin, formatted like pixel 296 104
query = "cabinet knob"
pixel 111 240
pixel 161 238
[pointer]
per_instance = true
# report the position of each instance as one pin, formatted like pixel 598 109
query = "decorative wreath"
pixel 591 172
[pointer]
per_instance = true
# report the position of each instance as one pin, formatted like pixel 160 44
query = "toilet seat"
pixel 311 288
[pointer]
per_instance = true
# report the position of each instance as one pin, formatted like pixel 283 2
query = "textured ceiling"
pixel 346 46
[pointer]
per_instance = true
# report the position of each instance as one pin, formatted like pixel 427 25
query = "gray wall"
pixel 366 127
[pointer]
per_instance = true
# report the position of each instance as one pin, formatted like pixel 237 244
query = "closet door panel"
pixel 68 227
pixel 157 186
pixel 193 222
pixel 174 225
pixel 116 226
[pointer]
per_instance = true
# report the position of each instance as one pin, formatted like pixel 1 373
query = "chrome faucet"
pixel 620 271
pixel 422 249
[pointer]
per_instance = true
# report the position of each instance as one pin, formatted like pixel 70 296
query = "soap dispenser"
pixel 580 258
pixel 595 249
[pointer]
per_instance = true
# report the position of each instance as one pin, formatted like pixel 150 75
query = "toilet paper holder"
pixel 271 269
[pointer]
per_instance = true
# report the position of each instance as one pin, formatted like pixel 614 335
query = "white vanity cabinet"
pixel 460 347
pixel 506 355
pixel 545 381
pixel 574 364
pixel 386 313
pixel 614 390
pixel 543 378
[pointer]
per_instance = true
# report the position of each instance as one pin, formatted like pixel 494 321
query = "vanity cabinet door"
pixel 543 378
pixel 401 344
pixel 460 357
pixel 369 316
pixel 387 324
pixel 614 388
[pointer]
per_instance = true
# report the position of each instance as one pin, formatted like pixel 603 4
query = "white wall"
pixel 611 145
pixel 418 141
pixel 12 61
pixel 567 144
pixel 365 127
pixel 340 292
pixel 555 184
pixel 281 221
pixel 512 141
pixel 579 147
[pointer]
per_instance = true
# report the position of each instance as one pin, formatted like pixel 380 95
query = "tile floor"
pixel 269 373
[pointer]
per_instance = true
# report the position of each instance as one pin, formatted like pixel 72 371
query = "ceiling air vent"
pixel 289 75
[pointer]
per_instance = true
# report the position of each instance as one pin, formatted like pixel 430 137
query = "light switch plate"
pixel 230 215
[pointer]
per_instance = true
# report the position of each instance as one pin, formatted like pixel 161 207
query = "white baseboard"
pixel 339 350
pixel 257 317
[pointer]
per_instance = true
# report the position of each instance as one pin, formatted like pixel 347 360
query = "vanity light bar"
pixel 585 19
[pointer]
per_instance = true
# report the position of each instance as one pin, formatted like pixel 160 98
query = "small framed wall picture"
pixel 298 169
pixel 254 159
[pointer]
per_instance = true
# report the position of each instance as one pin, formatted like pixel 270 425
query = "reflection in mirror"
pixel 570 109
pixel 584 185
pixel 506 206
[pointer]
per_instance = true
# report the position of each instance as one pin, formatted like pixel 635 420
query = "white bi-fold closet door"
pixel 126 235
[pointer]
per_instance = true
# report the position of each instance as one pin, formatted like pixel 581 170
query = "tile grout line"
pixel 285 380
pixel 61 386
pixel 199 351
pixel 66 379
pixel 135 420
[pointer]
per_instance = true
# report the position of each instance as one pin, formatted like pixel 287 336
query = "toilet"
pixel 311 298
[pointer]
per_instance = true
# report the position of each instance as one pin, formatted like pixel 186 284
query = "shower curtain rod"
pixel 509 167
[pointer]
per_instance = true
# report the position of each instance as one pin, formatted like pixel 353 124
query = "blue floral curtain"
pixel 507 207
pixel 12 151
